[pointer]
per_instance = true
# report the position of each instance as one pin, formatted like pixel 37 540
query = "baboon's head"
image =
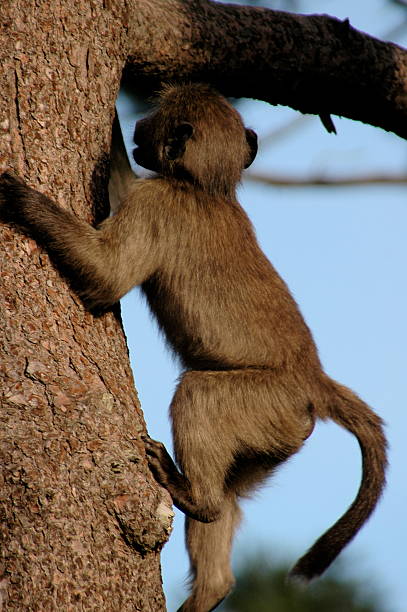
pixel 195 135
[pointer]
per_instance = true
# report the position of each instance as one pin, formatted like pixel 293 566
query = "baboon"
pixel 252 383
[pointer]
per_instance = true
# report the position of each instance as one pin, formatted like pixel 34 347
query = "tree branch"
pixel 282 131
pixel 290 181
pixel 316 64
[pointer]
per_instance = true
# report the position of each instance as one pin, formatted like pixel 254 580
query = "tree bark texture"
pixel 82 520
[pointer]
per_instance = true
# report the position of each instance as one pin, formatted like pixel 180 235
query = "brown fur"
pixel 252 383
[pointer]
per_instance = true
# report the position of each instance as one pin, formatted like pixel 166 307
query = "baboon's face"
pixel 146 152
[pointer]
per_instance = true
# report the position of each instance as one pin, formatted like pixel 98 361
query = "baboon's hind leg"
pixel 209 548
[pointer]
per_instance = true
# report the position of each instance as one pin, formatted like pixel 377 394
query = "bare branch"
pixel 281 132
pixel 323 181
pixel 314 63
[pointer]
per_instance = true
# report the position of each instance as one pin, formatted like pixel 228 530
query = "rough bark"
pixel 82 520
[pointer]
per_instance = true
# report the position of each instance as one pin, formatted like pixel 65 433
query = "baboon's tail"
pixel 348 410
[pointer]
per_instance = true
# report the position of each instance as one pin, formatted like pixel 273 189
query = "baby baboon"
pixel 252 384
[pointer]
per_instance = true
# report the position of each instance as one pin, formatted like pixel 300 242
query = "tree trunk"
pixel 82 520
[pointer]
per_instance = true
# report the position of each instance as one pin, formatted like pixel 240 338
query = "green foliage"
pixel 264 588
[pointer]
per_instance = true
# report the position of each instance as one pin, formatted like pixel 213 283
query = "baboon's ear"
pixel 251 138
pixel 175 146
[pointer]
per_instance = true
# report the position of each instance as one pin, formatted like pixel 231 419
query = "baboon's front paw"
pixel 10 183
pixel 12 191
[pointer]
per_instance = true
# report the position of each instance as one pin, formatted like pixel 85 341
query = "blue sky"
pixel 343 253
